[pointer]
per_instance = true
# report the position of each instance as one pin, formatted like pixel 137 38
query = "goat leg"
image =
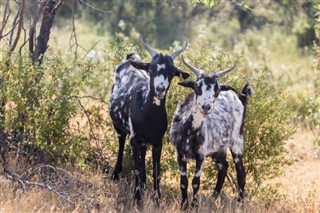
pixel 222 165
pixel 183 182
pixel 241 174
pixel 143 150
pixel 156 154
pixel 196 179
pixel 136 149
pixel 118 167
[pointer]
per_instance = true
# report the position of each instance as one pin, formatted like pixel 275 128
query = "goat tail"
pixel 247 90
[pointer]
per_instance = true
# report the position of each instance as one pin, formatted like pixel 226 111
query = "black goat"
pixel 137 108
pixel 207 123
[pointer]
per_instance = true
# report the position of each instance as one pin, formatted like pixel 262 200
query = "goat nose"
pixel 160 89
pixel 206 108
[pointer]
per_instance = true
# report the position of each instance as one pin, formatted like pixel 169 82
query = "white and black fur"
pixel 206 123
pixel 137 109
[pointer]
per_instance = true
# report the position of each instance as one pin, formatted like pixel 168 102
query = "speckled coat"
pixel 137 109
pixel 196 135
pixel 192 133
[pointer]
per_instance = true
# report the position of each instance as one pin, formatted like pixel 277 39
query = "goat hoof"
pixel 184 205
pixel 195 203
pixel 138 195
pixel 157 202
pixel 240 200
pixel 215 195
pixel 139 204
pixel 156 198
pixel 115 177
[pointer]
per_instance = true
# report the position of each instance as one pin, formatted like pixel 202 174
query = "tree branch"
pixel 94 8
pixel 89 96
pixel 7 12
pixel 234 185
pixel 34 21
pixel 19 20
pixel 46 184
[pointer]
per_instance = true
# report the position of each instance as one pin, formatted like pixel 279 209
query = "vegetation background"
pixel 58 146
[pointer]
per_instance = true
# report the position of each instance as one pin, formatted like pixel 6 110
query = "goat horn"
pixel 192 68
pixel 178 52
pixel 147 47
pixel 220 74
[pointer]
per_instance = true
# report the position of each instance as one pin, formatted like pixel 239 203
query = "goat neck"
pixel 197 117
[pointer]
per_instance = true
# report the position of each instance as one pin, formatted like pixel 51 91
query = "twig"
pixel 19 21
pixel 59 4
pixel 23 44
pixel 74 34
pixel 89 120
pixel 51 167
pixel 88 96
pixel 6 15
pixel 94 8
pixel 87 52
pixel 232 181
pixel 24 182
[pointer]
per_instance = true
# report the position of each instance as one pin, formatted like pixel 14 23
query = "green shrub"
pixel 42 107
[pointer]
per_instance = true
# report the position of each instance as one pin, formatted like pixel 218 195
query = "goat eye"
pixel 197 90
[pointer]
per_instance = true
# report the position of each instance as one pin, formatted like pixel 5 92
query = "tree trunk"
pixel 49 14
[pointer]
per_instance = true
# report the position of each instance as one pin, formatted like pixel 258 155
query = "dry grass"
pixel 92 191
pixel 300 184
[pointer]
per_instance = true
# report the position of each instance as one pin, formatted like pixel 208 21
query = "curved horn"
pixel 220 74
pixel 175 54
pixel 192 68
pixel 147 47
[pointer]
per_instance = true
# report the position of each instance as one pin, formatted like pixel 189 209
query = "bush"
pixel 43 108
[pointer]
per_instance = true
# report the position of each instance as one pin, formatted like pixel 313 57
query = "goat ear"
pixel 182 75
pixel 189 84
pixel 140 65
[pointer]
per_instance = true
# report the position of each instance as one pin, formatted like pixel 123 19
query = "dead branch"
pixel 73 35
pixel 89 96
pixel 56 170
pixel 92 7
pixel 90 122
pixel 13 27
pixel 87 52
pixel 19 20
pixel 6 15
pixel 231 180
pixel 25 40
pixel 51 186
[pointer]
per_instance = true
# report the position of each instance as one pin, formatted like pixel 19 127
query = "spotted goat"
pixel 205 124
pixel 137 109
